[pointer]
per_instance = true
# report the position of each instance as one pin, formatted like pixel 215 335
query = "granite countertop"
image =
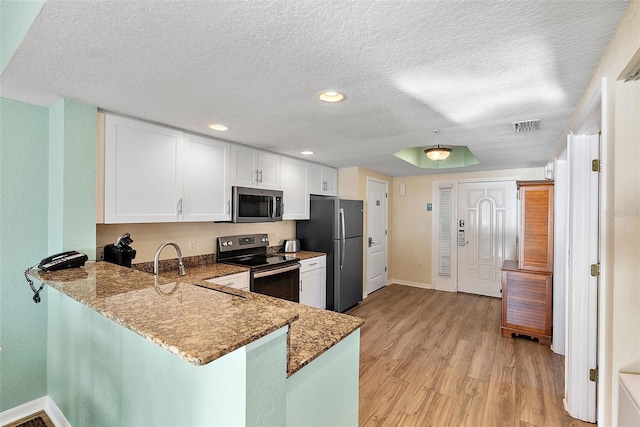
pixel 304 254
pixel 197 324
pixel 143 303
pixel 204 267
pixel 314 332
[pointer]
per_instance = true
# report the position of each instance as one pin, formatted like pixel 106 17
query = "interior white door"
pixel 582 286
pixel 487 221
pixel 376 234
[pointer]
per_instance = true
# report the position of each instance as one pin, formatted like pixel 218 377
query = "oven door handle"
pixel 276 271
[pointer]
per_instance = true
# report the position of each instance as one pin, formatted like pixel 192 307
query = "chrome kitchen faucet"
pixel 181 270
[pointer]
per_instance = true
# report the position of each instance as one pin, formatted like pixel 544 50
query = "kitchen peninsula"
pixel 245 353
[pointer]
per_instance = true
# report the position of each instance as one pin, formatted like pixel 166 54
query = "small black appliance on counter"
pixel 120 252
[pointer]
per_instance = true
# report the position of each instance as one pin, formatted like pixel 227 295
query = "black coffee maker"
pixel 120 252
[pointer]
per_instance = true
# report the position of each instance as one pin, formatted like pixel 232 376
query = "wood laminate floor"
pixel 433 358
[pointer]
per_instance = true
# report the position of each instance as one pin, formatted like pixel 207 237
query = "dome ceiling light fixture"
pixel 437 152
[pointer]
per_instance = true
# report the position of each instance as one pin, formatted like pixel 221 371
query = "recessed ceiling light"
pixel 330 96
pixel 216 126
pixel 306 153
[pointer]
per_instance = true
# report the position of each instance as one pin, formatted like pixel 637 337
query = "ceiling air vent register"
pixel 526 126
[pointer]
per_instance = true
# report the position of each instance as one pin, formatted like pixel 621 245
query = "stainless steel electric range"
pixel 274 275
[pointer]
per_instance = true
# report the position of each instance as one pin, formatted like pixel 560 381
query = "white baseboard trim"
pixel 14 414
pixel 55 414
pixel 44 403
pixel 413 284
pixel 446 289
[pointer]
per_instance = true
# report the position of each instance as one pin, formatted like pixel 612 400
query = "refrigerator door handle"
pixel 342 238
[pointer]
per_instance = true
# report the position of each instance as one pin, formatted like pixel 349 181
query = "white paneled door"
pixel 376 239
pixel 486 231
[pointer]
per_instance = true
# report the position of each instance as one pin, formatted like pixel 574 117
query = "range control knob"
pixel 230 243
pixel 224 243
pixel 264 240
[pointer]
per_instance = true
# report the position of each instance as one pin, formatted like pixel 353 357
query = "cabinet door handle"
pixel 180 206
pixel 257 176
pixel 260 175
pixel 300 287
pixel 228 206
pixel 313 263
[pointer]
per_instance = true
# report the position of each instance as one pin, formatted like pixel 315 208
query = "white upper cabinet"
pixel 269 170
pixel 143 172
pixel 254 168
pixel 324 180
pixel 157 174
pixel 294 181
pixel 207 190
pixel 244 166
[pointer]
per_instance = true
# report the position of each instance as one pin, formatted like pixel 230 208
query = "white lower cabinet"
pixel 236 281
pixel 313 282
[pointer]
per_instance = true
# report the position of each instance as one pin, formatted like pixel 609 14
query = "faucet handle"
pixel 181 269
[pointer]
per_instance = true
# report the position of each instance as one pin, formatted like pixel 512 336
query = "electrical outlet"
pixel 100 253
pixel 192 245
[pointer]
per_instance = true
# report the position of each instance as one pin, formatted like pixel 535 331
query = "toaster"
pixel 292 245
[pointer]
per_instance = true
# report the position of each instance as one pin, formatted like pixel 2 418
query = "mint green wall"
pixel 101 374
pixel 28 136
pixel 72 177
pixel 266 383
pixel 16 18
pixel 325 392
pixel 23 227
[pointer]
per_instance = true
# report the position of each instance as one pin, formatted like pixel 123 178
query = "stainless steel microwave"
pixel 256 205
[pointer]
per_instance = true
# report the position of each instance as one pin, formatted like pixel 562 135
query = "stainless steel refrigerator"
pixel 335 227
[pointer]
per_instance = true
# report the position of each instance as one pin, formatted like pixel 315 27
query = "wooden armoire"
pixel 527 283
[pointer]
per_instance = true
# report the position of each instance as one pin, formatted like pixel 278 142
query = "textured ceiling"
pixel 466 68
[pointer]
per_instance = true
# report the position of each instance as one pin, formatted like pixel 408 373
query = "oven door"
pixel 282 282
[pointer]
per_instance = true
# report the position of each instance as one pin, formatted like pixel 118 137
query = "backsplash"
pixel 147 237
pixel 172 264
pixel 189 261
